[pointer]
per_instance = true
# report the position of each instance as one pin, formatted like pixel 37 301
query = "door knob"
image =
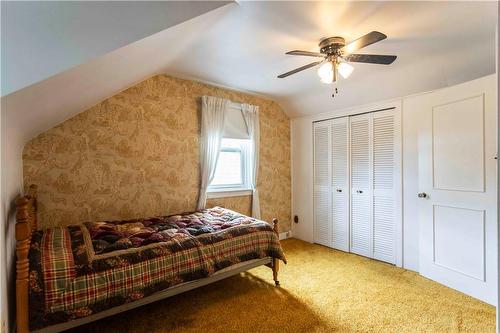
pixel 339 190
pixel 422 195
pixel 359 191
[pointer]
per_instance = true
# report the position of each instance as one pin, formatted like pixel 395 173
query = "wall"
pixel 136 154
pixel 410 128
pixel 302 190
pixel 302 174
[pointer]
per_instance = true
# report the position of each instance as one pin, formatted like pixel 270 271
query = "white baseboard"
pixel 285 235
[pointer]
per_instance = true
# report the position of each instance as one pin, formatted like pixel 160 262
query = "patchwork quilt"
pixel 79 270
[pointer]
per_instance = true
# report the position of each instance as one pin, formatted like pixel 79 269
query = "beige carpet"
pixel 322 290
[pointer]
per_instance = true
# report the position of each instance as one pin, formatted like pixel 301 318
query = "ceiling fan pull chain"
pixel 336 91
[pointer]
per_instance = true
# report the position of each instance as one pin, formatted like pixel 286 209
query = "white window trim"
pixel 228 192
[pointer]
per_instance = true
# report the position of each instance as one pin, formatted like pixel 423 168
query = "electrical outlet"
pixel 296 219
pixel 285 235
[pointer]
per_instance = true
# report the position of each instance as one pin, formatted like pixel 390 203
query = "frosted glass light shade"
pixel 325 72
pixel 345 69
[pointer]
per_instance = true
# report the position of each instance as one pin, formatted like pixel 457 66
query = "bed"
pixel 72 275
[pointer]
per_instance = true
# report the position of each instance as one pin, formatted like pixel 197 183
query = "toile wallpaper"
pixel 136 155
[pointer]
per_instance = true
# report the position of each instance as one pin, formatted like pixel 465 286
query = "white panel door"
pixel 322 183
pixel 457 182
pixel 361 185
pixel 386 185
pixel 340 183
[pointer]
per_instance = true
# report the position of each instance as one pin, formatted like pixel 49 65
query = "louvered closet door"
pixel 322 183
pixel 361 185
pixel 386 182
pixel 340 183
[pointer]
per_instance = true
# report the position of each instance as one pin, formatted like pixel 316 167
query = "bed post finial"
pixel 275 226
pixel 276 264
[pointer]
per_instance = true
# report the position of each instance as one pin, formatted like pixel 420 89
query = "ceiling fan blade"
pixel 371 58
pixel 296 70
pixel 305 53
pixel 363 41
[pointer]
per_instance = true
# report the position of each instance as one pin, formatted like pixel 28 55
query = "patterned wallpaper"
pixel 136 155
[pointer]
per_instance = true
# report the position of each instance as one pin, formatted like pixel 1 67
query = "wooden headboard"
pixel 26 223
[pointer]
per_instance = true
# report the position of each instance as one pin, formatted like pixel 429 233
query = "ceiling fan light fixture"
pixel 327 79
pixel 325 72
pixel 345 69
pixel 336 54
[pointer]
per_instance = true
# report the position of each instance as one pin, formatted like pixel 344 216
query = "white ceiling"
pixel 437 44
pixel 242 46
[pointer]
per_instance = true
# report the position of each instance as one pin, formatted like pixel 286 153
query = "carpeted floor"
pixel 322 290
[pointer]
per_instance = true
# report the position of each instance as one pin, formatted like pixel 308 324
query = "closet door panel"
pixel 361 185
pixel 384 184
pixel 340 183
pixel 322 184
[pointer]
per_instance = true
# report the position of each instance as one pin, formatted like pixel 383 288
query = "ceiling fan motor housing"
pixel 331 45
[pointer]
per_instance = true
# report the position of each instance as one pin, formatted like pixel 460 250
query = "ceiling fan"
pixel 336 54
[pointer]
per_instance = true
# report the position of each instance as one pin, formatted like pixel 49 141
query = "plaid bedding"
pixel 79 270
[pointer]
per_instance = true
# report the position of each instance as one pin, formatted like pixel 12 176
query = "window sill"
pixel 228 192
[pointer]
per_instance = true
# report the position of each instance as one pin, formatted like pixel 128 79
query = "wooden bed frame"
pixel 27 223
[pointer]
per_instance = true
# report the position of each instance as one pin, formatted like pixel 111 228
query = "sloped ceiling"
pixel 242 46
pixel 43 38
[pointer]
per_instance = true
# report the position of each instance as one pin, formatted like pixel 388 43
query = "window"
pixel 231 169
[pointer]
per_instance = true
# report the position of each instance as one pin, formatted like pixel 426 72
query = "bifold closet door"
pixel 340 183
pixel 376 185
pixel 386 185
pixel 322 184
pixel 357 184
pixel 361 185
